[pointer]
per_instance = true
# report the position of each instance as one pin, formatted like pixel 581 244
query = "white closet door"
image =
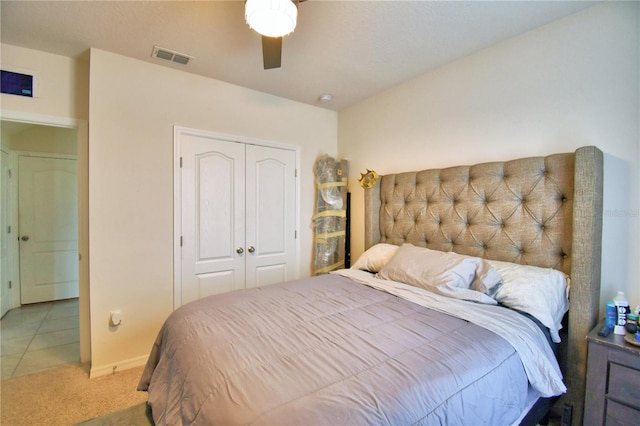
pixel 270 218
pixel 213 215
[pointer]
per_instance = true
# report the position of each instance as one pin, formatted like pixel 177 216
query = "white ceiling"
pixel 350 49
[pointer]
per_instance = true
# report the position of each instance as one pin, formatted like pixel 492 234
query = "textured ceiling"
pixel 350 49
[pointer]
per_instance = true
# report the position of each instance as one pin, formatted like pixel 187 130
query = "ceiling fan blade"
pixel 271 52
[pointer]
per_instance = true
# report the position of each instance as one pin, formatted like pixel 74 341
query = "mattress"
pixel 329 350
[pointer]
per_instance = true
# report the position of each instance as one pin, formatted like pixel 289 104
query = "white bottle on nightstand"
pixel 622 306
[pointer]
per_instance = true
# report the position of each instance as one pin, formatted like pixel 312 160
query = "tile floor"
pixel 38 337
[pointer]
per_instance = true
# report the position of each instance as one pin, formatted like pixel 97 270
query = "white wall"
pixel 572 83
pixel 37 138
pixel 133 108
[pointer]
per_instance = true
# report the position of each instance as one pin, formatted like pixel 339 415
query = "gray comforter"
pixel 328 351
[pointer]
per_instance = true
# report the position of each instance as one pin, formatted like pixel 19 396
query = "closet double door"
pixel 238 215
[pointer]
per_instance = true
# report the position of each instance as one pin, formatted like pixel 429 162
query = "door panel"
pixel 214 220
pixel 215 283
pixel 271 212
pixel 48 218
pixel 271 274
pixel 212 216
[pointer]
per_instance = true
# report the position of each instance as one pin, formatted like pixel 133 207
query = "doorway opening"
pixel 52 319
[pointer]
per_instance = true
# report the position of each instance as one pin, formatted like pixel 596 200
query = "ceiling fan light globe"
pixel 271 18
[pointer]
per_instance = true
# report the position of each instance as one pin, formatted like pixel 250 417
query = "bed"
pixel 423 328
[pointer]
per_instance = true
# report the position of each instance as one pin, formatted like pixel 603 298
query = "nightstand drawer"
pixel 618 414
pixel 612 394
pixel 624 384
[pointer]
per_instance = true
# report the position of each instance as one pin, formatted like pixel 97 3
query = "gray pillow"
pixel 446 273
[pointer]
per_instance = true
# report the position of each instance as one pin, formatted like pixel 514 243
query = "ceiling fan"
pixel 273 19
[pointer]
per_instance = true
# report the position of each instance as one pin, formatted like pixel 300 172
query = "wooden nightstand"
pixel 613 381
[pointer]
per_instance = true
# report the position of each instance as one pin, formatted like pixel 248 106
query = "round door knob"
pixel 251 249
pixel 239 250
pixel 25 238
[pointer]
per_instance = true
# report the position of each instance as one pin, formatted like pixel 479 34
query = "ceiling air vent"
pixel 171 56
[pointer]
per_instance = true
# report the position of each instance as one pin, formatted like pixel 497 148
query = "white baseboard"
pixel 103 370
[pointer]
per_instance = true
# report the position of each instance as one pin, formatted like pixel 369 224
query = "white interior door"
pixel 270 218
pixel 5 293
pixel 48 221
pixel 213 252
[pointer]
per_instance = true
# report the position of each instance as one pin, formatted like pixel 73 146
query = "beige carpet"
pixel 66 396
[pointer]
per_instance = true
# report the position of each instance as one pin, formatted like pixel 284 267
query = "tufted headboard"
pixel 542 211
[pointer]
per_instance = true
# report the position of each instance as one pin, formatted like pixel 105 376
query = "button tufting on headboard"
pixel 516 206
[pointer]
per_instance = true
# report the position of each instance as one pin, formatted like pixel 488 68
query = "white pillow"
pixel 376 257
pixel 445 273
pixel 540 292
